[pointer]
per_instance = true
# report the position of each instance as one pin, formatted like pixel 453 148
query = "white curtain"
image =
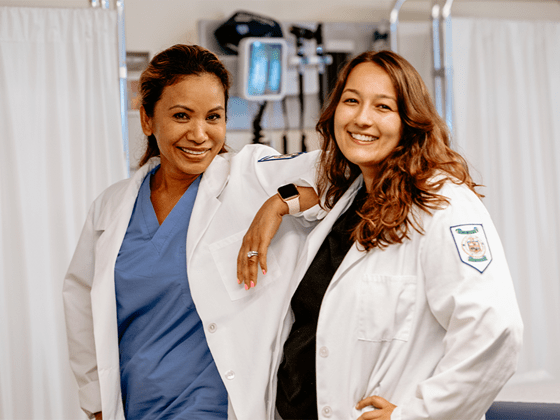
pixel 61 145
pixel 507 110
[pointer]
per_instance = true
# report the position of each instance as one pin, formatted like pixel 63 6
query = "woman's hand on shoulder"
pixel 383 408
pixel 263 228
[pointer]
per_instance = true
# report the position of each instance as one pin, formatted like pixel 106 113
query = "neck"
pixel 167 189
pixel 169 183
pixel 369 174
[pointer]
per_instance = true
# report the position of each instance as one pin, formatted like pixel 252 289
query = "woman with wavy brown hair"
pixel 406 177
pixel 403 306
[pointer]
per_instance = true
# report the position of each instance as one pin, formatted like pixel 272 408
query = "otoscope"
pixel 318 35
pixel 257 134
pixel 301 34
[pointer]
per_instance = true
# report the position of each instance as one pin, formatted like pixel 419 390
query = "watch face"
pixel 288 191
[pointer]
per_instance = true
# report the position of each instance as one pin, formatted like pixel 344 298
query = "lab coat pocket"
pixel 386 307
pixel 225 251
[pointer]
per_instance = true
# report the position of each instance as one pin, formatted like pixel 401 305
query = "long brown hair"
pixel 412 173
pixel 169 67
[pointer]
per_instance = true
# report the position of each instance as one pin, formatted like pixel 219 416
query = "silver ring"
pixel 252 254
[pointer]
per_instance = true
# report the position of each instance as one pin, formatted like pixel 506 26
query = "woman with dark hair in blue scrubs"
pixel 151 298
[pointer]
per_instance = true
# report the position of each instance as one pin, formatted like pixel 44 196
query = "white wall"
pixel 155 25
pixel 152 25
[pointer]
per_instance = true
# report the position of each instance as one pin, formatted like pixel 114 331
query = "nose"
pixel 197 132
pixel 364 116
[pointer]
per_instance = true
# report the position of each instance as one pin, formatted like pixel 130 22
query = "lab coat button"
pixel 212 327
pixel 230 374
pixel 324 352
pixel 326 411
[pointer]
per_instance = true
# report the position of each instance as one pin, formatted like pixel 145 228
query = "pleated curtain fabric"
pixel 61 145
pixel 507 122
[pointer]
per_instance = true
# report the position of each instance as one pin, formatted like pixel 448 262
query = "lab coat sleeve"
pixel 79 320
pixel 274 170
pixel 300 170
pixel 477 309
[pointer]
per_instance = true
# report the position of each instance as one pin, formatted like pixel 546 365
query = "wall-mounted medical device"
pixel 263 66
pixel 331 42
pixel 244 25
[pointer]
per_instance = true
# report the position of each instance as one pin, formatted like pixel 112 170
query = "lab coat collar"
pixel 207 202
pixel 356 252
pixel 213 182
pixel 216 175
pixel 318 235
pixel 116 204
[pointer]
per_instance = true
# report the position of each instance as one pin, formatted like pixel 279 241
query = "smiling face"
pixel 189 124
pixel 367 124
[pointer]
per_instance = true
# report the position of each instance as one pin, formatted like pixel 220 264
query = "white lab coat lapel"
pixel 207 203
pixel 318 235
pixel 312 245
pixel 354 254
pixel 113 222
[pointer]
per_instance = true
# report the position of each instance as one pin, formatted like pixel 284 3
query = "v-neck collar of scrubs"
pixel 166 366
pixel 160 234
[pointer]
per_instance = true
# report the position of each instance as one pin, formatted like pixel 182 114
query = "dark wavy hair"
pixel 412 173
pixel 169 67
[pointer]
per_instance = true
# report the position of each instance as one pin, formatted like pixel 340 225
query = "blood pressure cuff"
pixel 242 25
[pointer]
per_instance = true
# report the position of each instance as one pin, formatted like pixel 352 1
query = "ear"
pixel 146 122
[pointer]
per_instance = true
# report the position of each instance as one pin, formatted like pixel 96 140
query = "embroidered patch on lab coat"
pixel 472 245
pixel 279 157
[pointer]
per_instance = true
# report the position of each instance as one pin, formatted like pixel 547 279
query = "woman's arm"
pixel 262 230
pixel 474 301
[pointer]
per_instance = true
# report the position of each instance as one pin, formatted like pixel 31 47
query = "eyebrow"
pixel 217 108
pixel 377 96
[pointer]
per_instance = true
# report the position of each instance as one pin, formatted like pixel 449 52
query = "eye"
pixel 385 107
pixel 350 101
pixel 214 117
pixel 181 116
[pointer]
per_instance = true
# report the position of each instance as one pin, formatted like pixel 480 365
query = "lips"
pixel 363 137
pixel 194 151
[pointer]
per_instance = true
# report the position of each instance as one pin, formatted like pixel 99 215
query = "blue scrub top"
pixel 167 370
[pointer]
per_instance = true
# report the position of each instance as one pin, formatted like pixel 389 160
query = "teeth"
pixel 363 137
pixel 193 152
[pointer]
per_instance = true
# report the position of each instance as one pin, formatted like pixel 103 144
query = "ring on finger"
pixel 252 254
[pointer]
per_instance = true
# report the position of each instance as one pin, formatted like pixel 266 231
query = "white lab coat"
pixel 413 323
pixel 231 191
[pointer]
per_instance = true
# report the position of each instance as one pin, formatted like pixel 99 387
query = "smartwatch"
pixel 290 195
